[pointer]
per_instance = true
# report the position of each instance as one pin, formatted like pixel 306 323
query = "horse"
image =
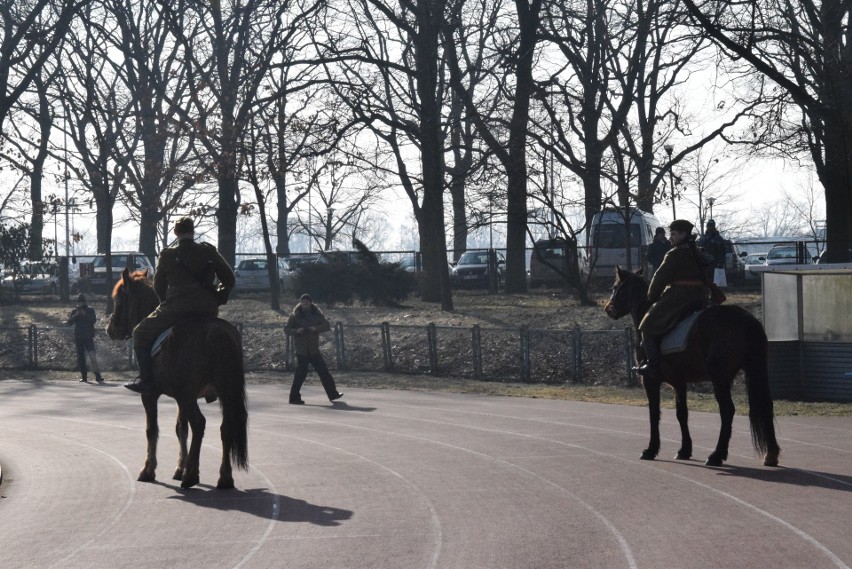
pixel 724 340
pixel 201 357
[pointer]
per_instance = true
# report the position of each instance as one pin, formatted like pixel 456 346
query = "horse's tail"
pixel 232 397
pixel 761 413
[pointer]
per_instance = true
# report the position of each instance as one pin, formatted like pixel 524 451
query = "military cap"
pixel 184 225
pixel 681 225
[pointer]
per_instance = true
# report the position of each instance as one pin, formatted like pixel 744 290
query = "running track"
pixel 403 479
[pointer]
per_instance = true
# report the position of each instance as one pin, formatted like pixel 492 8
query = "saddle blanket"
pixel 158 343
pixel 675 340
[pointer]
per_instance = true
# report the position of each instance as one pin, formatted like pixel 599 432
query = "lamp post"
pixel 710 202
pixel 669 148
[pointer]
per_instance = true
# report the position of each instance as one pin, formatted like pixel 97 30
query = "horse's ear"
pixel 125 274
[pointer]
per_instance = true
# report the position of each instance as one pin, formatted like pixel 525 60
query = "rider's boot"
pixel 145 382
pixel 651 367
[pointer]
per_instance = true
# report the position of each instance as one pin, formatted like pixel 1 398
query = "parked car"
pixel 783 255
pixel 252 275
pixel 471 270
pixel 94 274
pixel 38 277
pixel 751 259
pixel 554 252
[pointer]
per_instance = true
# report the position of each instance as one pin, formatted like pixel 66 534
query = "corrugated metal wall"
pixel 827 371
pixel 811 370
pixel 784 370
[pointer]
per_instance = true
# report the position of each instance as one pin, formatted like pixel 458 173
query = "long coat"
pixel 83 318
pixel 676 289
pixel 180 272
pixel 307 342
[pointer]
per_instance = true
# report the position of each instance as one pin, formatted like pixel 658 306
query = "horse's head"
pixel 628 292
pixel 133 299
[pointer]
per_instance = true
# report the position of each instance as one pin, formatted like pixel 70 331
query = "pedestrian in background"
pixel 658 249
pixel 83 319
pixel 305 324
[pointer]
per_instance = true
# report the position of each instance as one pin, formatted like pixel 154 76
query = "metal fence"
pixel 481 353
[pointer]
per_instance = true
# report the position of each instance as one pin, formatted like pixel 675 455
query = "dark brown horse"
pixel 201 357
pixel 724 340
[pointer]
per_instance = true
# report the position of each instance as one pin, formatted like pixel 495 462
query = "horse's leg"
pixel 181 430
pixel 152 432
pixel 197 422
pixel 226 478
pixel 652 390
pixel 722 390
pixel 685 452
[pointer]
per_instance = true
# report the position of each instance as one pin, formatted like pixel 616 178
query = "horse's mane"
pixel 141 275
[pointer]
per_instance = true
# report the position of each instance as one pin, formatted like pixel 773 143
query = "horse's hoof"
pixel 771 459
pixel 683 455
pixel 178 475
pixel 225 484
pixel 189 482
pixel 713 460
pixel 647 454
pixel 145 477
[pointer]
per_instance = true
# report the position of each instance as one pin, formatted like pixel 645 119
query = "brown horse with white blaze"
pixel 723 341
pixel 200 357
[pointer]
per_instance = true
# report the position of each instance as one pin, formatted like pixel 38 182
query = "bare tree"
pixel 519 49
pixel 162 162
pixel 801 46
pixel 32 32
pixel 229 51
pixel 387 72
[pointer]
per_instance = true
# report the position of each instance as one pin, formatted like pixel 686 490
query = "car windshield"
pixel 117 261
pixel 474 258
pixel 252 265
pixel 783 253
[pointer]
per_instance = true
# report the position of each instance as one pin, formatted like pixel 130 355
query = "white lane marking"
pixel 800 533
pixel 436 521
pixel 619 537
pixel 131 491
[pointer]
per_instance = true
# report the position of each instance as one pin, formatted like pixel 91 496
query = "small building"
pixel 807 314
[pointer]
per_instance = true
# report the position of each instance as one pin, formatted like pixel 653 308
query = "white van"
pixel 615 233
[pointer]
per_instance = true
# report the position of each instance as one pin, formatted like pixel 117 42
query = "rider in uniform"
pixel 184 283
pixel 678 287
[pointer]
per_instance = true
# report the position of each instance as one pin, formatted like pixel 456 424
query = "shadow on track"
pixel 262 503
pixel 780 475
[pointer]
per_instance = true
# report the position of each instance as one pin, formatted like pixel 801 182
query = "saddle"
pixel 209 392
pixel 676 339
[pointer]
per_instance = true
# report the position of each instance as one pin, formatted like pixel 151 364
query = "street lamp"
pixel 669 148
pixel 710 202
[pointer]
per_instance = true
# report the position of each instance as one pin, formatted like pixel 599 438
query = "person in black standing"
pixel 83 319
pixel 658 249
pixel 305 325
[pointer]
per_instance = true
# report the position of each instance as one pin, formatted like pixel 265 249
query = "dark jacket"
pixel 307 342
pixel 83 318
pixel 657 250
pixel 184 277
pixel 713 243
pixel 676 288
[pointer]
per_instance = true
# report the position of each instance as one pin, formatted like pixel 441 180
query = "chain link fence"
pixel 481 353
